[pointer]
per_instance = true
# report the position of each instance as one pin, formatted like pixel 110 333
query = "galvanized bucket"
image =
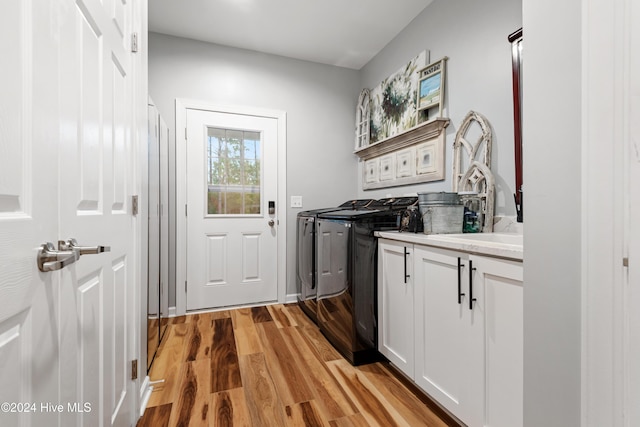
pixel 442 219
pixel 442 212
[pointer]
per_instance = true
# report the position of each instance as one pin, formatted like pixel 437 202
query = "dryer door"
pixel 305 258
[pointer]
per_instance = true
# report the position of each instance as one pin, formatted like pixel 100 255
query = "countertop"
pixel 502 245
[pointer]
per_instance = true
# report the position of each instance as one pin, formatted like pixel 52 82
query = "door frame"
pixel 608 349
pixel 182 105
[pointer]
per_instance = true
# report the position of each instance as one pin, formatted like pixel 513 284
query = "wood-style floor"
pixel 270 366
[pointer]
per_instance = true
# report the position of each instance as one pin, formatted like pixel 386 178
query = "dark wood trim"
pixel 515 39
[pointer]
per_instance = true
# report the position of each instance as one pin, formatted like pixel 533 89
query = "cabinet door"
pixel 503 291
pixel 449 353
pixel 395 303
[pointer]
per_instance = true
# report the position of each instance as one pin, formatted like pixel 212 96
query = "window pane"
pixel 233 172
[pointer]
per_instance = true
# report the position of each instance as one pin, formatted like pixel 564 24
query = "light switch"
pixel 296 201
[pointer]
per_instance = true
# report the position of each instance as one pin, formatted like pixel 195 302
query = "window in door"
pixel 233 172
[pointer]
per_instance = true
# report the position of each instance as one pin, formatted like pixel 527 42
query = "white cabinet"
pixel 464 312
pixel 395 303
pixel 501 281
pixel 448 347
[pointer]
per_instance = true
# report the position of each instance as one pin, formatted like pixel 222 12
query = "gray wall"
pixel 473 34
pixel 552 232
pixel 319 101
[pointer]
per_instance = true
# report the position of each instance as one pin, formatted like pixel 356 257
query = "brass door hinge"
pixel 134 369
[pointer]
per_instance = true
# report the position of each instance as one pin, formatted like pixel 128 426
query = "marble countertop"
pixel 502 245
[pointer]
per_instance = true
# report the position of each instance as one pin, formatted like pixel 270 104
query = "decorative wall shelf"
pixel 412 157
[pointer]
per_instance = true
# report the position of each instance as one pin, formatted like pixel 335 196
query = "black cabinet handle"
pixel 406 276
pixel 460 294
pixel 471 298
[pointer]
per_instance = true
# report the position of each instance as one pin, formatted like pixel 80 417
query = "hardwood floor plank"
pixel 304 414
pixel 178 319
pixel 280 316
pixel 371 402
pixel 299 317
pixel 176 335
pixel 229 409
pixel 288 378
pixel 225 372
pixel 331 400
pixel 319 344
pixel 241 318
pixel 406 403
pixel 191 407
pixel 157 416
pixel 200 337
pixel 247 340
pixel 356 420
pixel 220 314
pixel 262 399
pixel 260 314
pixel 166 367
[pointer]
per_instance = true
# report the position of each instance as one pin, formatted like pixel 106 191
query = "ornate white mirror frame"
pixel 363 117
pixel 477 177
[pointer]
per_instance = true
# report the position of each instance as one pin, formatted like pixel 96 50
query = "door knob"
pixel 49 259
pixel 67 245
pixel 271 223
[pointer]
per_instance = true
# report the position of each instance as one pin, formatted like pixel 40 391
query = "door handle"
pixel 460 294
pixel 471 298
pixel 406 276
pixel 84 250
pixel 49 259
pixel 271 223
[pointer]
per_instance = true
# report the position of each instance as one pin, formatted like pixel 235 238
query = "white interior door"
pixel 29 359
pixel 96 183
pixel 632 298
pixel 232 224
pixel 66 170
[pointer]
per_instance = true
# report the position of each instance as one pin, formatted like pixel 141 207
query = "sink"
pixel 496 238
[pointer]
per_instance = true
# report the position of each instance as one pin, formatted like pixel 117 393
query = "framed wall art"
pixel 394 100
pixel 431 89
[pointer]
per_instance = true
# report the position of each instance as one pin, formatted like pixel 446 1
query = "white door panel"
pixel 231 246
pixel 28 215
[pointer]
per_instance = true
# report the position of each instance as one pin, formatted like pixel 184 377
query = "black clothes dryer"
pixel 306 280
pixel 347 255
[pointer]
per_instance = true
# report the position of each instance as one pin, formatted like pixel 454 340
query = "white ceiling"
pixel 345 33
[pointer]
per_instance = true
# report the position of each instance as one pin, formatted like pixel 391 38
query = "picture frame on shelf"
pixel 431 91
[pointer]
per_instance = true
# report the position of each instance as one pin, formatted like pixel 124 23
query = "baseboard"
pixel 172 312
pixel 290 298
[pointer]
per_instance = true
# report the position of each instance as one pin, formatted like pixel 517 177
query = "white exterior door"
pixel 66 171
pixel 232 224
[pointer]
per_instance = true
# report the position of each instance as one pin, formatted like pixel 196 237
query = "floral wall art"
pixel 394 100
